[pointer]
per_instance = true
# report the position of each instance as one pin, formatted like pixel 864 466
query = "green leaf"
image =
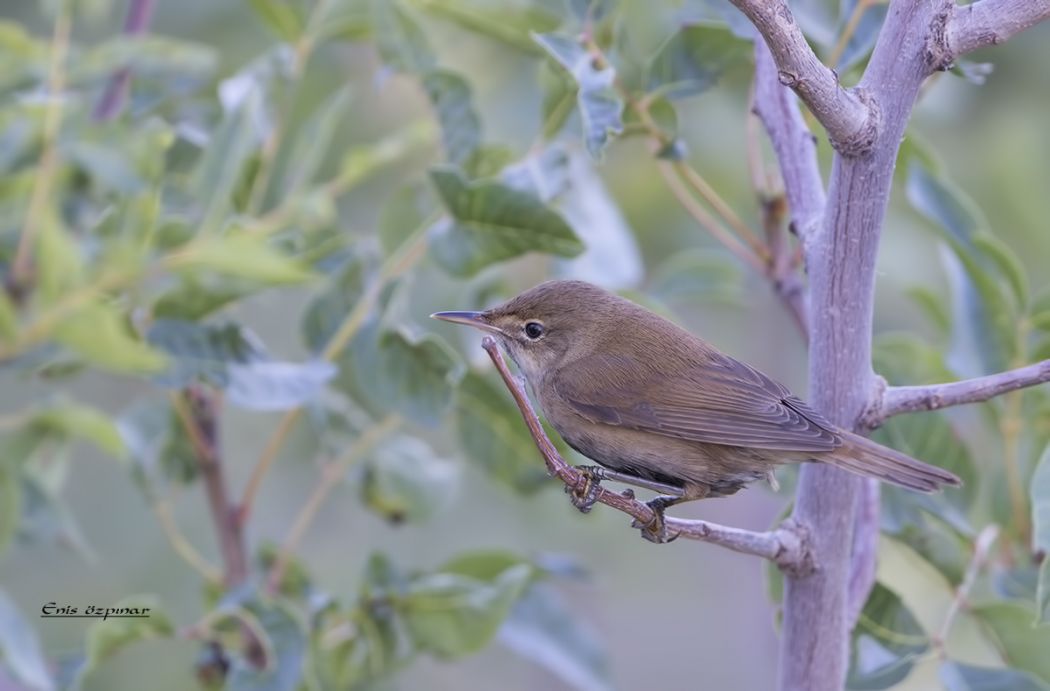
pixel 984 338
pixel 72 420
pixel 492 222
pixel 1040 494
pixel 1009 624
pixel 231 358
pixel 20 646
pixel 287 642
pixel 330 307
pixel 600 106
pixel 99 333
pixel 449 615
pixel 314 142
pixel 60 263
pixel 541 628
pixel 492 433
pixel 405 481
pixel 10 502
pixel 693 59
pixel 402 44
pixel 158 445
pixel 347 20
pixel 452 100
pixel 944 204
pixel 107 637
pixel 886 642
pixel 933 307
pixel 224 158
pixel 404 214
pixel 697 275
pixel 196 297
pixel 281 16
pixel 241 255
pixel 508 23
pixel 107 165
pixel 152 56
pixel 484 565
pixel 8 319
pixel 904 359
pixel 559 98
pixel 957 676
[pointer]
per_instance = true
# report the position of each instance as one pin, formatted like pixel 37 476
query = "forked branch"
pixel 851 120
pixel 786 546
pixel 895 400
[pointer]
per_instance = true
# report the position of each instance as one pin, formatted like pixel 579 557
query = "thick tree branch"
pixel 895 400
pixel 785 546
pixel 793 143
pixel 116 92
pixel 849 116
pixel 990 22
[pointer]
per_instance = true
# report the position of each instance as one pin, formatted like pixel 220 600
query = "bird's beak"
pixel 475 319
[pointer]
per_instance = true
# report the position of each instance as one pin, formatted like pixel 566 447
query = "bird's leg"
pixel 583 498
pixel 645 483
pixel 656 529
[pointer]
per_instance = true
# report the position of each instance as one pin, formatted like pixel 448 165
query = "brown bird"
pixel 663 408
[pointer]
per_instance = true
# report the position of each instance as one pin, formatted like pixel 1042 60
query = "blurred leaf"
pixel 543 174
pixel 196 297
pixel 231 358
pixel 863 38
pixel 886 642
pixel 329 308
pixel 974 72
pixel 508 22
pixel 541 628
pixel 313 144
pixel 107 165
pixel 493 435
pixel 941 202
pixel 8 319
pixel 240 255
pixel 403 214
pixel 492 222
pixel 106 638
pixel 402 44
pixel 60 263
pixel 72 420
pixel 451 97
pixel 903 359
pixel 612 258
pixel 1008 264
pixel 600 106
pixel 99 333
pixel 483 565
pixel 20 646
pixel 697 275
pixel 933 307
pixel 223 159
pixel 1040 493
pixel 10 503
pixel 450 615
pixel 984 338
pixel 158 445
pixel 405 481
pixel 287 643
pixel 1010 626
pixel 281 16
pixel 152 56
pixel 559 98
pixel 957 676
pixel 693 59
pixel 348 20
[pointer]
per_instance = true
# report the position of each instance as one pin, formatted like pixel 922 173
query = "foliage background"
pixel 666 616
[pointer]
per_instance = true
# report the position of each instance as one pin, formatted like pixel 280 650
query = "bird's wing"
pixel 722 401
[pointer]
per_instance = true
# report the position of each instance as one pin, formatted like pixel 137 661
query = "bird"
pixel 663 408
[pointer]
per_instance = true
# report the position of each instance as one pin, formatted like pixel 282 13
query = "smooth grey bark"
pixel 865 125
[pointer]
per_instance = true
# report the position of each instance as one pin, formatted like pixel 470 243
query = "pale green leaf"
pixel 107 637
pixel 957 676
pixel 886 642
pixel 450 96
pixel 492 222
pixel 405 481
pixel 314 142
pixel 20 647
pixel 1023 646
pixel 281 16
pixel 99 333
pixel 508 23
pixel 287 641
pixel 402 44
pixel 8 319
pixel 693 59
pixel 73 420
pixel 10 501
pixel 240 255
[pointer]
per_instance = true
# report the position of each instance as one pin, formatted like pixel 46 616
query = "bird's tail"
pixel 865 457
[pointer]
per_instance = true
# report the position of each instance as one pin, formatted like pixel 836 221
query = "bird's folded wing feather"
pixel 722 401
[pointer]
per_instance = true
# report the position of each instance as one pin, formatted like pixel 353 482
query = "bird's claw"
pixel 585 496
pixel 656 529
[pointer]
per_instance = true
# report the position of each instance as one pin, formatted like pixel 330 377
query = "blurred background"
pixel 677 616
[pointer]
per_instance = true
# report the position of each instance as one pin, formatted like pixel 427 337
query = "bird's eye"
pixel 534 330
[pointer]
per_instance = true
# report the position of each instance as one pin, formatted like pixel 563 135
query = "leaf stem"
pixel 21 268
pixel 981 549
pixel 331 475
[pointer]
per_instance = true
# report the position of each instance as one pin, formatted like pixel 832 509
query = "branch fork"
pixel 787 546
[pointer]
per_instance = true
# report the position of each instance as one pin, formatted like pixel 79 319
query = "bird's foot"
pixel 656 529
pixel 585 496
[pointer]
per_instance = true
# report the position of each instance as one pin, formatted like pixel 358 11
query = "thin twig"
pixel 412 251
pixel 786 546
pixel 331 475
pixel 907 399
pixel 116 92
pixel 981 549
pixel 182 546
